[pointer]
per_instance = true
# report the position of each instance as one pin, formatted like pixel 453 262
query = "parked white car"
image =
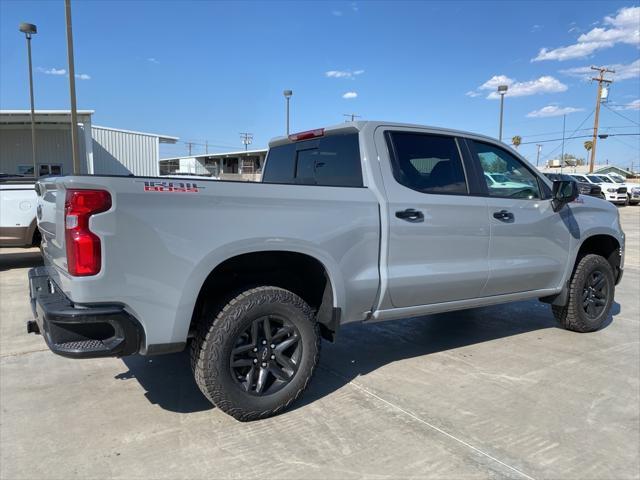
pixel 633 189
pixel 613 191
pixel 18 226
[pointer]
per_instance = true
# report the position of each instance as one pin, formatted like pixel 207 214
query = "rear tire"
pixel 256 355
pixel 591 293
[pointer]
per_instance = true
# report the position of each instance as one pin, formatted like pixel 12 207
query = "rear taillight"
pixel 83 246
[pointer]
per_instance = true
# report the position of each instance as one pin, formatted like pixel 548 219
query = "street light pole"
pixel 564 122
pixel 538 155
pixel 75 152
pixel 287 94
pixel 502 89
pixel 29 29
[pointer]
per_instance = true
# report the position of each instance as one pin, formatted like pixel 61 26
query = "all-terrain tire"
pixel 216 337
pixel 573 316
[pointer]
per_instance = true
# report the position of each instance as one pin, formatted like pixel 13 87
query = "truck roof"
pixel 372 124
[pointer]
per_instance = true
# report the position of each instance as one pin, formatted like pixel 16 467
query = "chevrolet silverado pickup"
pixel 359 222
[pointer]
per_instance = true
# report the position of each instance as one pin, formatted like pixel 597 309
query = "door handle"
pixel 410 215
pixel 504 216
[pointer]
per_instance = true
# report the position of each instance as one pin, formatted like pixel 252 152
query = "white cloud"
pixel 152 60
pixel 536 27
pixel 623 71
pixel 473 94
pixel 53 71
pixel 635 105
pixel 553 111
pixel 336 13
pixel 624 27
pixel 62 71
pixel 354 6
pixel 343 73
pixel 544 84
pixel 350 95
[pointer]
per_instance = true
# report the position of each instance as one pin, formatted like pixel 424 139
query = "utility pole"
pixel 206 146
pixel 538 154
pixel 189 145
pixel 600 79
pixel 75 152
pixel 246 138
pixel 352 115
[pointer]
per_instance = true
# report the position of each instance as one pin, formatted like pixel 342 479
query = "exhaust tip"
pixel 32 327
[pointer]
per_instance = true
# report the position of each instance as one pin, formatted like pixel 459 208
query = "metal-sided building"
pixel 239 165
pixel 103 150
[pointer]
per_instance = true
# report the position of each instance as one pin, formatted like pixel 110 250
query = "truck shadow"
pixel 360 349
pixel 168 381
pixel 25 259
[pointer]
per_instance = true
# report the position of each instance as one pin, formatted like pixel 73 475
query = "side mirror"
pixel 564 191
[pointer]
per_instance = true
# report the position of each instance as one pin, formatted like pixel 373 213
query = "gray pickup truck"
pixel 359 222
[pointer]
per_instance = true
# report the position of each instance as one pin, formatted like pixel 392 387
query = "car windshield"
pixel 597 179
pixel 580 178
pixel 616 179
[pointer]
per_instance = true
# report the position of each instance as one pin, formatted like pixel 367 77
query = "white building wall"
pixel 53 146
pixel 192 165
pixel 123 153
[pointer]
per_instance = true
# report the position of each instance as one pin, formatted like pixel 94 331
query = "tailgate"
pixel 50 215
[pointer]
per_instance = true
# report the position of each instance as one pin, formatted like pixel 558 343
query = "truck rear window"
pixel 332 161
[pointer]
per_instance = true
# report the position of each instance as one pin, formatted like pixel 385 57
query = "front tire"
pixel 256 355
pixel 591 293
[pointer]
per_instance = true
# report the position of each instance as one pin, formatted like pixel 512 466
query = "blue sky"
pixel 210 70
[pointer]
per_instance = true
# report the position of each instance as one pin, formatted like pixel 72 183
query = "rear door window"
pixel 332 161
pixel 427 163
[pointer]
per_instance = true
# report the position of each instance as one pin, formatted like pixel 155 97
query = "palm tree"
pixel 588 145
pixel 516 141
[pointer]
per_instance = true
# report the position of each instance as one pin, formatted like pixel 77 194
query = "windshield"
pixel 616 179
pixel 597 179
pixel 580 178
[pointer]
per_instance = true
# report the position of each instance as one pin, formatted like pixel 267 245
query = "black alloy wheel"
pixel 266 355
pixel 595 294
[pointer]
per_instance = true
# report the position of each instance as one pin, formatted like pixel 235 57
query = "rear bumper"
pixel 80 331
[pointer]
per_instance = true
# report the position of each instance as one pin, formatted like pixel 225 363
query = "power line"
pixel 570 136
pixel 533 135
pixel 620 115
pixel 634 147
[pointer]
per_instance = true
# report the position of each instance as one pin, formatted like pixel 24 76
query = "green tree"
pixel 516 141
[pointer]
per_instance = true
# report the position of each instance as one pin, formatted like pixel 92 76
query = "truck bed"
pixel 169 234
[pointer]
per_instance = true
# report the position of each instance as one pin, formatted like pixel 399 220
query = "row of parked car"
pixel 610 187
